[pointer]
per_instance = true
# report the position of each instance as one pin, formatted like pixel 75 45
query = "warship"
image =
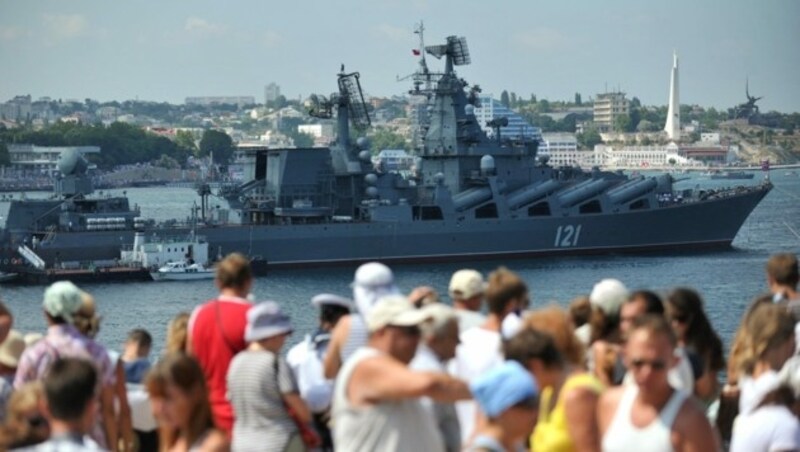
pixel 471 196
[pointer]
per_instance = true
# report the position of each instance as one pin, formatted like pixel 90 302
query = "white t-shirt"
pixel 769 428
pixel 479 351
pixel 752 391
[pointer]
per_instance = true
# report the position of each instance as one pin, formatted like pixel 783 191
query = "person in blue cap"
pixel 509 398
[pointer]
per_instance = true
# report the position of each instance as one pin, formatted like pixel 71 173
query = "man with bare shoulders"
pixel 376 398
pixel 651 415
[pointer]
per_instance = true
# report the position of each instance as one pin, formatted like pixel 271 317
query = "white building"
pixel 562 148
pixel 318 131
pixel 645 157
pixel 42 159
pixel 239 101
pixel 607 108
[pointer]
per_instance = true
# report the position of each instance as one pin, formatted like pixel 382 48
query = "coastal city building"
pixel 271 93
pixel 239 101
pixel 562 148
pixel 517 128
pixel 322 133
pixel 608 107
pixel 29 158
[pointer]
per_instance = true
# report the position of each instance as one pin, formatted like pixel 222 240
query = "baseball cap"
pixel 62 299
pixel 331 299
pixel 394 310
pixel 503 387
pixel 266 320
pixel 609 295
pixel 466 284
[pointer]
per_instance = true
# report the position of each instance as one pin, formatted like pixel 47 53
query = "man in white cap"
pixel 437 347
pixel 375 401
pixel 372 281
pixel 467 290
pixel 62 300
pixel 306 357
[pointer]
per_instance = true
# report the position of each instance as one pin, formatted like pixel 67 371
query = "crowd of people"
pixel 618 370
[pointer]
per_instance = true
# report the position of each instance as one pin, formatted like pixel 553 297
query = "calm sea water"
pixel 727 280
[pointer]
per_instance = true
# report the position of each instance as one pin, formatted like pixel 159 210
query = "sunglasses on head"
pixel 655 364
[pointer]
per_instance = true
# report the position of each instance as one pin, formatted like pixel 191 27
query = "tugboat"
pixel 471 197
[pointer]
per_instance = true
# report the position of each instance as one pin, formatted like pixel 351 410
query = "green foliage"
pixel 589 138
pixel 504 99
pixel 185 140
pixel 167 162
pixel 622 123
pixel 219 143
pixel 302 140
pixel 384 139
pixel 120 143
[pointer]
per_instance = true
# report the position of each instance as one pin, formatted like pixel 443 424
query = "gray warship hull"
pixel 701 225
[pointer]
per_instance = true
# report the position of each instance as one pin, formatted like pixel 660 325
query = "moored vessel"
pixel 471 196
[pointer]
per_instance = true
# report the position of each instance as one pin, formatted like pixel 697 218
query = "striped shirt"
pixel 256 393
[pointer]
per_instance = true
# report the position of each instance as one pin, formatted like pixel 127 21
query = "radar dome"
pixel 371 179
pixel 365 156
pixel 372 192
pixel 487 165
pixel 72 162
pixel 363 143
pixel 438 178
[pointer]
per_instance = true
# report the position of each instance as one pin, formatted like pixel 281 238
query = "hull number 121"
pixel 567 236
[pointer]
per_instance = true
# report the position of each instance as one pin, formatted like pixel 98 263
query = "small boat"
pixel 732 175
pixel 182 271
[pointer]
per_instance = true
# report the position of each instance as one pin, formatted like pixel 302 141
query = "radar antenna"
pixel 319 107
pixel 455 51
pixel 350 91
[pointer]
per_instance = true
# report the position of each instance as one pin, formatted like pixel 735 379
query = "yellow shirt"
pixel 551 433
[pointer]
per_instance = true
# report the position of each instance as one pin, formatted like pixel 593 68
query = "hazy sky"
pixel 168 50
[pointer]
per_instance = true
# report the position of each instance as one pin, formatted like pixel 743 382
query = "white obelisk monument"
pixel 673 125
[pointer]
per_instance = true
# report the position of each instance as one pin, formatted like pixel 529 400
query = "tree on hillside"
pixel 185 140
pixel 513 100
pixel 504 98
pixel 218 143
pixel 589 138
pixel 622 123
pixel 302 139
pixel 384 139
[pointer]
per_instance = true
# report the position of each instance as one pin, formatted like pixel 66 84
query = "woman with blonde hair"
pixel 87 322
pixel 177 333
pixel 179 398
pixel 769 343
pixel 548 348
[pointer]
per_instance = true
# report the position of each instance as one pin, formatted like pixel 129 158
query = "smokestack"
pixel 673 125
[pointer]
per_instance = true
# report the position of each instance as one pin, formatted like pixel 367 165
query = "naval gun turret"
pixel 74 180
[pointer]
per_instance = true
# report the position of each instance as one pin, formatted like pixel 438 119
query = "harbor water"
pixel 728 280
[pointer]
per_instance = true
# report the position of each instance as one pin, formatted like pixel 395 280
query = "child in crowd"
pixel 135 355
